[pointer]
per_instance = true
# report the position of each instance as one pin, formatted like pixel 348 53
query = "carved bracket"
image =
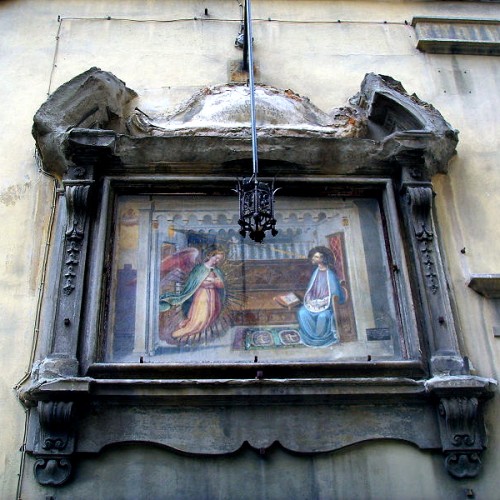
pixel 56 419
pixel 76 203
pixel 52 471
pixel 420 201
pixel 461 424
pixel 462 435
pixel 55 443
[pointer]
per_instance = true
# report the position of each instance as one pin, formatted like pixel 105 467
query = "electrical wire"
pixel 230 20
pixel 38 313
pixel 56 51
pixel 161 21
pixel 41 287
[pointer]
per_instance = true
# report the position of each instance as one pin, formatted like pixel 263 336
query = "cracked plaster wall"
pixel 166 63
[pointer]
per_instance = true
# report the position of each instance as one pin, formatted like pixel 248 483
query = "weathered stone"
pixel 487 285
pixel 441 35
pixel 95 100
pixel 367 138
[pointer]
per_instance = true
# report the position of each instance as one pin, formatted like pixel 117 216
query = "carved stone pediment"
pixel 225 109
pixel 382 125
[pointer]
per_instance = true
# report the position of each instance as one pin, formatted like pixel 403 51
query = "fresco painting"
pixel 187 288
pixel 201 298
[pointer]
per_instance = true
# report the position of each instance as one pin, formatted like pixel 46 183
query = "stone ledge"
pixel 487 285
pixel 457 36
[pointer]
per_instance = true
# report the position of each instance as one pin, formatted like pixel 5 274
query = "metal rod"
pixel 253 126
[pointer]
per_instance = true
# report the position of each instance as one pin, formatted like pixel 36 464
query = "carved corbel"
pixel 56 442
pixel 462 435
pixel 459 403
pixel 420 201
pixel 76 204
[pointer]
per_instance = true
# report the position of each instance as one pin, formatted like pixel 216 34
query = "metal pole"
pixel 253 126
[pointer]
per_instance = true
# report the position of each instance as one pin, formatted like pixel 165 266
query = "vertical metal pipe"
pixel 253 126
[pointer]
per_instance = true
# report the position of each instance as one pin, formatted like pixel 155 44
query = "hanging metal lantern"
pixel 256 198
pixel 256 208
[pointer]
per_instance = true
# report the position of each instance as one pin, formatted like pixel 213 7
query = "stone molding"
pixel 441 35
pixel 336 143
pixel 488 285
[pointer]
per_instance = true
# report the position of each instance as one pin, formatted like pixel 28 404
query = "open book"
pixel 288 300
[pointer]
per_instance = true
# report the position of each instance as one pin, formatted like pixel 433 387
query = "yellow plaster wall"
pixel 163 53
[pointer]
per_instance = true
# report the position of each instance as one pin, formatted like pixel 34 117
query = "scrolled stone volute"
pixel 459 406
pixel 55 442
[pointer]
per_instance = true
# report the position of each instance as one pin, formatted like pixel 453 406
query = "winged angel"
pixel 198 307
